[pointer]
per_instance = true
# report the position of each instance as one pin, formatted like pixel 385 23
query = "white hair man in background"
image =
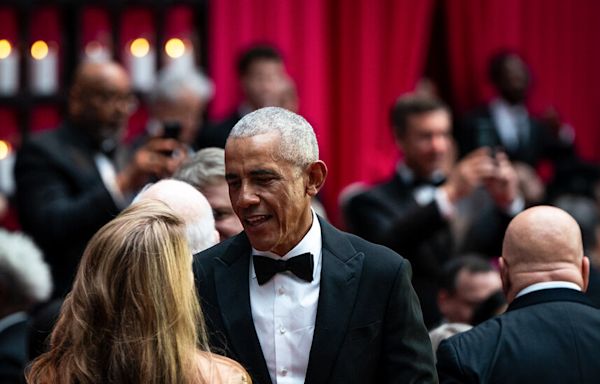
pixel 191 206
pixel 24 281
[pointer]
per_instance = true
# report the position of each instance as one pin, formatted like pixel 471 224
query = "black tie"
pixel 266 268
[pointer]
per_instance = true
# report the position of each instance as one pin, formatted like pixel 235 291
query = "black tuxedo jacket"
pixel 548 336
pixel 61 198
pixel 13 353
pixel 215 134
pixel 368 327
pixel 388 214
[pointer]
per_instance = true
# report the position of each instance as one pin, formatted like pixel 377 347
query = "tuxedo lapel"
pixel 233 294
pixel 340 276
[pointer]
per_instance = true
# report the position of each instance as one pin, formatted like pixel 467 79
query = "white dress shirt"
pixel 512 122
pixel 284 310
pixel 548 285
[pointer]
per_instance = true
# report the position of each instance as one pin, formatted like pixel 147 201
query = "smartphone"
pixel 171 130
pixel 487 137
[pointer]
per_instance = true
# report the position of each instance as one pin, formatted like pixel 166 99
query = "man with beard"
pixel 68 182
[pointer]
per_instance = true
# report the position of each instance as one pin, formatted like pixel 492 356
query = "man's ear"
pixel 585 272
pixel 317 173
pixel 504 275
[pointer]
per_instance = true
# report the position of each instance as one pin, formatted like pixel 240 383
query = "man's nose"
pixel 247 196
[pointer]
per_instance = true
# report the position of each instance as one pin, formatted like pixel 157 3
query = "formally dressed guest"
pixel 177 104
pixel 262 78
pixel 506 122
pixel 433 208
pixel 24 281
pixel 292 298
pixel 133 315
pixel 68 181
pixel 549 334
pixel 191 206
pixel 205 170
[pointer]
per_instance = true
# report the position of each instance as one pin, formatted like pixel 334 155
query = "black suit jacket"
pixel 548 336
pixel 388 214
pixel 215 134
pixel 13 353
pixel 61 198
pixel 479 129
pixel 368 327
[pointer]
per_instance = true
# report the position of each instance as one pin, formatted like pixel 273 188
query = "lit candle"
pixel 9 68
pixel 43 66
pixel 141 61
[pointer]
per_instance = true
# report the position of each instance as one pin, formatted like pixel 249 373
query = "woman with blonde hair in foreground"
pixel 133 315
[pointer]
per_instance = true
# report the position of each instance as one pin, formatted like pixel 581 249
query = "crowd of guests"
pixel 201 253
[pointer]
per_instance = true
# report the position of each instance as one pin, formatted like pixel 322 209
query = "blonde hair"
pixel 133 315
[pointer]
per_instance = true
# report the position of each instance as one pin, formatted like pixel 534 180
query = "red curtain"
pixel 350 60
pixel 557 38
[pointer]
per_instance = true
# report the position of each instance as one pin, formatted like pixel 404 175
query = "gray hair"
pixel 23 272
pixel 189 204
pixel 298 141
pixel 173 79
pixel 206 167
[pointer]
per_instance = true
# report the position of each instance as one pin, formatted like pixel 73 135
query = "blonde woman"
pixel 133 315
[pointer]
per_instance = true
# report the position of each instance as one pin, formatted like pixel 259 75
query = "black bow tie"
pixel 266 268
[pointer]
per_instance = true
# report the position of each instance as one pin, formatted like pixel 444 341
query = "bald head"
pixel 542 244
pixel 191 206
pixel 101 99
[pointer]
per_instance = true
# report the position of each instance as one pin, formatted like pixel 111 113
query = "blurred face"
pixel 427 142
pixel 514 80
pixel 269 194
pixel 102 101
pixel 471 290
pixel 186 110
pixel 226 222
pixel 263 83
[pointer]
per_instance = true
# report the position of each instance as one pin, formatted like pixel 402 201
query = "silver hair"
pixel 173 79
pixel 23 270
pixel 206 167
pixel 298 140
pixel 190 205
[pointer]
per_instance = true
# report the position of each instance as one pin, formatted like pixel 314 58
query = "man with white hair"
pixel 191 206
pixel 179 99
pixel 292 298
pixel 549 333
pixel 24 281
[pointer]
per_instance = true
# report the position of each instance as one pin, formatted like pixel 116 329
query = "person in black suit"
pixel 68 181
pixel 506 122
pixel 24 281
pixel 432 209
pixel 549 333
pixel 263 78
pixel 292 298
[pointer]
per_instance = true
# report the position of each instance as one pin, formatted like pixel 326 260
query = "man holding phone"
pixel 434 208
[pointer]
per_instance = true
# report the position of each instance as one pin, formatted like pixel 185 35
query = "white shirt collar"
pixel 311 242
pixel 548 285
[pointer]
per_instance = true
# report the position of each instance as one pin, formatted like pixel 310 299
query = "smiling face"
pixel 270 195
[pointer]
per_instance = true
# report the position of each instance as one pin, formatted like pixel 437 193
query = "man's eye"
pixel 264 180
pixel 233 184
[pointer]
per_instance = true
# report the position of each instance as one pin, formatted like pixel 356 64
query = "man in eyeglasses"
pixel 68 181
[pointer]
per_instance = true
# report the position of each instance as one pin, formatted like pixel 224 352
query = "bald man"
pixel 551 331
pixel 68 182
pixel 191 205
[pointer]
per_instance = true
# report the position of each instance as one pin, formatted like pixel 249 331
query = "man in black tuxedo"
pixel 68 181
pixel 549 333
pixel 506 122
pixel 292 298
pixel 433 209
pixel 262 76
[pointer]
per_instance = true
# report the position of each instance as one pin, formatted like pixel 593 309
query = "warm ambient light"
pixel 4 149
pixel 39 50
pixel 139 47
pixel 175 48
pixel 5 48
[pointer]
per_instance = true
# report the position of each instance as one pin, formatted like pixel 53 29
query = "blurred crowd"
pixel 446 208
